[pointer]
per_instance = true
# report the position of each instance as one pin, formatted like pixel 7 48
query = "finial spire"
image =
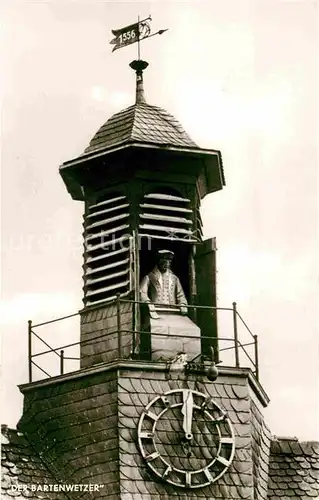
pixel 139 66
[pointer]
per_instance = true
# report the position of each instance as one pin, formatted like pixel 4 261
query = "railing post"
pixel 61 362
pixel 135 247
pixel 235 334
pixel 30 349
pixel 256 357
pixel 118 314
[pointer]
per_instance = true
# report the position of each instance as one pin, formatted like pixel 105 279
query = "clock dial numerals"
pixel 186 439
pixel 188 479
pixel 146 435
pixel 165 400
pixel 152 416
pixel 226 440
pixel 208 475
pixel 223 461
pixel 152 456
pixel 167 471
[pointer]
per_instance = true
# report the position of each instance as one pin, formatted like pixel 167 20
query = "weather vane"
pixel 133 33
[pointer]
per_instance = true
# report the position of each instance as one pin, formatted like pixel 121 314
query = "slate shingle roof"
pixel 140 123
pixel 21 468
pixel 293 470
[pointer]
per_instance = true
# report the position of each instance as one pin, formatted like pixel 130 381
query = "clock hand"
pixel 187 411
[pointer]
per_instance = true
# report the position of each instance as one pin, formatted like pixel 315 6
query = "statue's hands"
pixel 152 311
pixel 184 310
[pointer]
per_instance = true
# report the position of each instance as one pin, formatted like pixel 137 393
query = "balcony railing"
pixel 240 342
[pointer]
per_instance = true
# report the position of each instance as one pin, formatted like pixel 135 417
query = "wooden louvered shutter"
pixel 107 269
pixel 166 217
pixel 205 268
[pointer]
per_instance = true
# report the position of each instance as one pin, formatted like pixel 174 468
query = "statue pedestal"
pixel 172 333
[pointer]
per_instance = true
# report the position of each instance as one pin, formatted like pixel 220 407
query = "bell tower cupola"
pixel 142 179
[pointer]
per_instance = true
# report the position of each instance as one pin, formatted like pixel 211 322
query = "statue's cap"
pixel 165 253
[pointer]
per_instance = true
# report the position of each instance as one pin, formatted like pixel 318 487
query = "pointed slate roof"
pixel 140 123
pixel 139 127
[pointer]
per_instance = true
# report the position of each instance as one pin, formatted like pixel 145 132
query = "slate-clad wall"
pixel 73 426
pixel 261 441
pixel 85 429
pixel 99 334
pixel 137 388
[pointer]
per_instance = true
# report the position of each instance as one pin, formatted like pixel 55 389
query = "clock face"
pixel 186 439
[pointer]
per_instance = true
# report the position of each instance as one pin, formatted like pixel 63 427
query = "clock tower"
pixel 147 415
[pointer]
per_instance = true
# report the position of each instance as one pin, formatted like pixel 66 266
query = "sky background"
pixel 241 77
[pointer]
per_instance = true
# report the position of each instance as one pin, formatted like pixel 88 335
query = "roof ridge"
pixel 292 446
pixel 176 124
pixel 136 105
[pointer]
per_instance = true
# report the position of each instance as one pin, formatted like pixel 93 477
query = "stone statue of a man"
pixel 162 286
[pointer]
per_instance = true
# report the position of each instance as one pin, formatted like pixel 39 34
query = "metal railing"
pixel 238 346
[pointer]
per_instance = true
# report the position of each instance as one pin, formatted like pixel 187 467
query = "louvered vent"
pixel 107 256
pixel 167 217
